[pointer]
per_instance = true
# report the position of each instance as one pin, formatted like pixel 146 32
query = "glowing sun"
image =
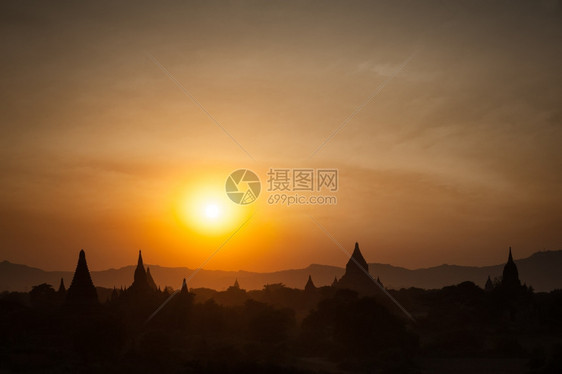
pixel 204 208
pixel 212 211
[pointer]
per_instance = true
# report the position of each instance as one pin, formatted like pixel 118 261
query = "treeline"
pixel 277 330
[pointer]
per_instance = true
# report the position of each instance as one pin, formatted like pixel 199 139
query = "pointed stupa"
pixel 184 289
pixel 357 260
pixel 310 287
pixel 140 282
pixel 150 280
pixel 379 282
pixel 62 288
pixel 358 278
pixel 335 282
pixel 357 275
pixel 235 287
pixel 489 285
pixel 510 278
pixel 82 288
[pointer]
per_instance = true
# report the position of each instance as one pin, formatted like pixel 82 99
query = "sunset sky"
pixel 452 153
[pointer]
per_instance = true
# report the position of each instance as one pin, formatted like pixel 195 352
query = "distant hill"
pixel 541 270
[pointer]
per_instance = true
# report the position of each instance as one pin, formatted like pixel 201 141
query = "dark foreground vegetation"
pixel 278 330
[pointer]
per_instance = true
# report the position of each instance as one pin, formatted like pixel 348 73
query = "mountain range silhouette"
pixel 540 270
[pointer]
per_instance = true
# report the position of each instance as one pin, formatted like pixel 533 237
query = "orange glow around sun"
pixel 203 207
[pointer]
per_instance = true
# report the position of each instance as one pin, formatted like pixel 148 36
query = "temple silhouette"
pixel 355 316
pixel 62 288
pixel 235 287
pixel 510 277
pixel 358 279
pixel 357 276
pixel 140 282
pixel 510 282
pixel 81 290
pixel 309 287
pixel 142 292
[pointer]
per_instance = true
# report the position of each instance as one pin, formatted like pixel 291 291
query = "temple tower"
pixel 357 276
pixel 510 278
pixel 62 288
pixel 140 282
pixel 82 290
pixel 309 287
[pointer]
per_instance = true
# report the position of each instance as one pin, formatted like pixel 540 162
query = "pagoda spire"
pixel 139 262
pixel 82 289
pixel 184 289
pixel 358 278
pixel 62 288
pixel 140 280
pixel 309 285
pixel 357 260
pixel 510 278
pixel 236 285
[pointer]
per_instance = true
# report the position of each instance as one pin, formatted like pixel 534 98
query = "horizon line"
pixel 285 269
